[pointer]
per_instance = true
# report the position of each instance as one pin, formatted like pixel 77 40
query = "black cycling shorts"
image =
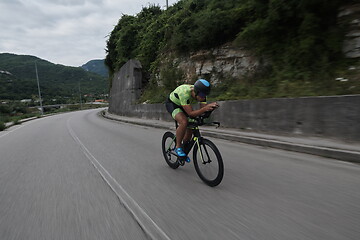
pixel 173 108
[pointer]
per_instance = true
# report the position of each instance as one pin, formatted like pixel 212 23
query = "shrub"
pixel 2 126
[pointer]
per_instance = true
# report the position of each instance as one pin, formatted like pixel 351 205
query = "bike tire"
pixel 212 172
pixel 168 144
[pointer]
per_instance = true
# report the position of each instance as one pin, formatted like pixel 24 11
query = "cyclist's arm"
pixel 194 113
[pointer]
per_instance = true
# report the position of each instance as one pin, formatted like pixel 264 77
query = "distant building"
pixel 100 101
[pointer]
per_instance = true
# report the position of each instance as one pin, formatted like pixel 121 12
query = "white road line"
pixel 151 229
pixel 8 132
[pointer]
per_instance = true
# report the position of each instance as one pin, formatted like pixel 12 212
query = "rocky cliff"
pixel 349 16
pixel 226 60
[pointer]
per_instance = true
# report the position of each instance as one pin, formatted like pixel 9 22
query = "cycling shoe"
pixel 180 152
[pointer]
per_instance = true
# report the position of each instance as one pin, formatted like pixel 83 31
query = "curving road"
pixel 79 176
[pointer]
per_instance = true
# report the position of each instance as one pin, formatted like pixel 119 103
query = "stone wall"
pixel 333 117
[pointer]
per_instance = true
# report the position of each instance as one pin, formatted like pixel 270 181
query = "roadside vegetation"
pixel 301 40
pixel 15 111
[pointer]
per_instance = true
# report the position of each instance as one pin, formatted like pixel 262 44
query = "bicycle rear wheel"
pixel 168 145
pixel 208 162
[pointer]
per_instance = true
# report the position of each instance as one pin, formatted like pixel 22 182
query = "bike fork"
pixel 201 151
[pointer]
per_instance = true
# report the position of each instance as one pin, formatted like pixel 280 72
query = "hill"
pixel 299 42
pixel 96 66
pixel 18 79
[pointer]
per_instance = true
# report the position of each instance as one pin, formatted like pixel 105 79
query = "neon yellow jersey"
pixel 182 95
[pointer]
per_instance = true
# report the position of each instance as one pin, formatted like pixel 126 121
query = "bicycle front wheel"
pixel 208 162
pixel 168 145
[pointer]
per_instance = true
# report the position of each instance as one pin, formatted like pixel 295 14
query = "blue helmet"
pixel 202 88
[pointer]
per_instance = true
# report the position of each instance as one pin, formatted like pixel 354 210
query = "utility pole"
pixel 167 4
pixel 38 83
pixel 80 96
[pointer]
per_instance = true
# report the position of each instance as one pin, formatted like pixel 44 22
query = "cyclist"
pixel 179 106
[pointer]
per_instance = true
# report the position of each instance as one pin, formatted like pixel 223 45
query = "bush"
pixel 2 126
pixel 17 121
pixel 302 38
pixel 171 76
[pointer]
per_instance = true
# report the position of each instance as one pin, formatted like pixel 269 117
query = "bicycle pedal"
pixel 181 161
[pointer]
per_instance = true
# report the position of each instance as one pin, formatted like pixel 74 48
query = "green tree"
pixel 301 41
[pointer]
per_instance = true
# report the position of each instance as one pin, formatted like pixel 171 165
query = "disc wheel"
pixel 208 163
pixel 168 146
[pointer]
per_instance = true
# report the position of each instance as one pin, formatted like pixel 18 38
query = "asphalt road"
pixel 80 176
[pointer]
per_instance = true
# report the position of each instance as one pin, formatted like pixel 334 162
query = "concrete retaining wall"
pixel 126 88
pixel 334 117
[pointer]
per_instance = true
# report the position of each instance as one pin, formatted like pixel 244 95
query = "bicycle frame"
pixel 196 139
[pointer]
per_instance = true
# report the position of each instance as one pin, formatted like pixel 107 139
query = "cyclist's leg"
pixel 188 135
pixel 182 132
pixel 182 120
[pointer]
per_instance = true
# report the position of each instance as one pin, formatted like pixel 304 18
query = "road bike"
pixel 206 157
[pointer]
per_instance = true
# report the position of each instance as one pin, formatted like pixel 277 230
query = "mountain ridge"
pixel 56 80
pixel 96 66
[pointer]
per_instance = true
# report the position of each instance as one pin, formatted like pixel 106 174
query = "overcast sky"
pixel 68 32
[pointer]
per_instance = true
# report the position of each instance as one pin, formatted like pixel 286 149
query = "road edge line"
pixel 150 228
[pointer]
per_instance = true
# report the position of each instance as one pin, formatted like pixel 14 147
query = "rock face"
pixel 350 17
pixel 223 61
